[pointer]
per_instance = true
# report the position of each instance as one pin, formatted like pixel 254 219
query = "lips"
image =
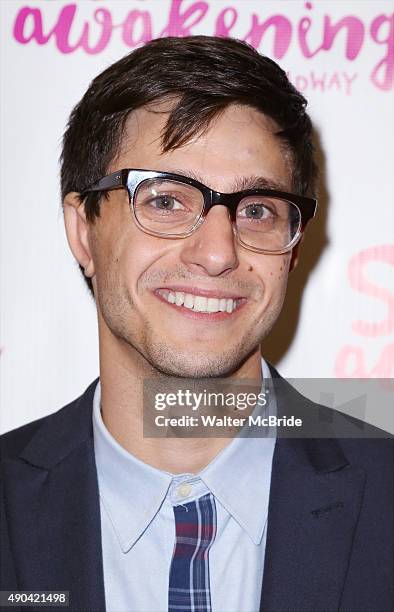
pixel 201 303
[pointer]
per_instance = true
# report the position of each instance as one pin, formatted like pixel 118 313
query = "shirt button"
pixel 184 489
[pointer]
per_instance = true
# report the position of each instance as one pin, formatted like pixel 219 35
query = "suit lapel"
pixel 53 509
pixel 315 500
pixel 52 506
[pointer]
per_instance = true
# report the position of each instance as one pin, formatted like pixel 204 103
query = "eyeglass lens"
pixel 170 207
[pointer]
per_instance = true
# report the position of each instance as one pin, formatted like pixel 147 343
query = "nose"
pixel 211 249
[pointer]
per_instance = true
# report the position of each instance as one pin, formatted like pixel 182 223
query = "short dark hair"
pixel 203 75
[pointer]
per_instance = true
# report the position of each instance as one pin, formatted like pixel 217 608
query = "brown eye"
pixel 165 202
pixel 255 211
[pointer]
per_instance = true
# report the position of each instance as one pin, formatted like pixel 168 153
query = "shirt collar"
pixel 128 486
pixel 239 477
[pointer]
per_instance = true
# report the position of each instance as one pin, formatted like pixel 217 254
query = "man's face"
pixel 134 273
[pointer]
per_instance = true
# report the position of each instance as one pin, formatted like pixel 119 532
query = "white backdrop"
pixel 339 316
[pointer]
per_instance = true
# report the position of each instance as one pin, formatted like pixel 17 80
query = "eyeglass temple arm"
pixel 311 213
pixel 308 208
pixel 116 180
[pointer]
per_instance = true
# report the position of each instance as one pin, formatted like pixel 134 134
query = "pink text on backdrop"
pixel 351 361
pixel 324 82
pixel 184 15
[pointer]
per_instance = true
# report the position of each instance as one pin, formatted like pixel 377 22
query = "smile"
pixel 200 303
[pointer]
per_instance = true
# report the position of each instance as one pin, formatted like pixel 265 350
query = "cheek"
pixel 279 275
pixel 281 271
pixel 133 261
pixel 127 262
pixel 108 247
pixel 272 269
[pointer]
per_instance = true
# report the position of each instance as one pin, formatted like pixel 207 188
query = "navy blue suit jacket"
pixel 330 525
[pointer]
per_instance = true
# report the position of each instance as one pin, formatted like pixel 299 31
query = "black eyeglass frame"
pixel 121 180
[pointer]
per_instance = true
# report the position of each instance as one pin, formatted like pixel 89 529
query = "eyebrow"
pixel 240 183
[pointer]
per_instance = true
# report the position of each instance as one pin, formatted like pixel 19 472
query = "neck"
pixel 122 372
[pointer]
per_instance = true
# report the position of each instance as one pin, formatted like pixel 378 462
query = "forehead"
pixel 240 142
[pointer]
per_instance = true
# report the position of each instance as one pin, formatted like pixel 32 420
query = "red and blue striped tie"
pixel 195 530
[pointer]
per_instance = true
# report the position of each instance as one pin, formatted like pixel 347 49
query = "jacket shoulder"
pixel 320 421
pixel 13 442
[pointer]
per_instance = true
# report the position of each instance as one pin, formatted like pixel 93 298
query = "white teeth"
pixel 179 297
pixel 199 303
pixel 213 305
pixel 188 301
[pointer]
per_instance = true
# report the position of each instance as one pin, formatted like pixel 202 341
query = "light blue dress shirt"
pixel 138 526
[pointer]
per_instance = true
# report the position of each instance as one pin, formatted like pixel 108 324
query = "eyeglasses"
pixel 170 205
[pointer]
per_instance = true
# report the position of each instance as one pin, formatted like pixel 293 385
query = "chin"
pixel 191 364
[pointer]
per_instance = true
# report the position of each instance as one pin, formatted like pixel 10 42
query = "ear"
pixel 294 255
pixel 77 230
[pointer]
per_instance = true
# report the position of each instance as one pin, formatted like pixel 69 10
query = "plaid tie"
pixel 195 529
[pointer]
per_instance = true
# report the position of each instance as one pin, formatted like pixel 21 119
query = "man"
pixel 188 179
